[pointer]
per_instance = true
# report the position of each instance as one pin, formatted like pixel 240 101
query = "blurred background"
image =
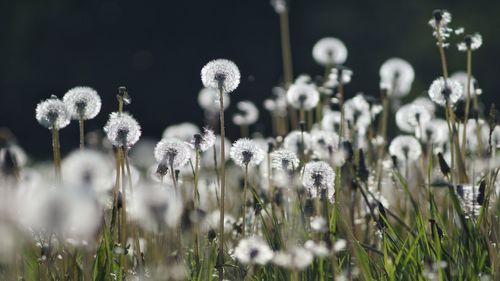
pixel 158 48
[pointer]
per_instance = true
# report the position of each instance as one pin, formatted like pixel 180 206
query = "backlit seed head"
pixel 208 99
pixel 183 131
pixel 203 141
pixel 398 75
pixel 297 142
pixel 246 152
pixel 285 160
pixel 444 91
pixel 221 74
pixel 172 153
pixel 248 113
pixel 52 113
pixel 302 96
pixel 82 102
pixel 253 250
pixel 319 177
pixel 411 117
pixel 122 130
pixel 329 51
pixel 405 148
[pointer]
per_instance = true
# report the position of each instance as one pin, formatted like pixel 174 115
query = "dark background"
pixel 157 49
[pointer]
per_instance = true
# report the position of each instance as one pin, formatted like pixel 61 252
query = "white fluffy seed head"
pixel 52 113
pixel 88 168
pixel 208 99
pixel 302 96
pixel 172 153
pixel 246 152
pixel 329 51
pixel 443 90
pixel 122 130
pixel 462 77
pixel 249 114
pixel 435 131
pixel 319 177
pixel 398 75
pixel 183 131
pixel 253 250
pixel 221 73
pixel 411 117
pixel 82 102
pixel 294 142
pixel 405 148
pixel 203 141
pixel 285 160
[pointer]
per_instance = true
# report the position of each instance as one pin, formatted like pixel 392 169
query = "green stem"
pixel 56 149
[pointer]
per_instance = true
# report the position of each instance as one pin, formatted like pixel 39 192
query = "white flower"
pixel 398 75
pixel 425 102
pixel 221 73
pixel 122 129
pixel 203 141
pixel 405 148
pixel 171 153
pixel 249 114
pixel 82 102
pixel 183 131
pixel 331 121
pixel 279 6
pixel 283 159
pixel 337 75
pixel 357 113
pixel 461 77
pixel 442 91
pixel 246 152
pixel 410 117
pixel 318 177
pixel 472 42
pixel 294 142
pixel 324 143
pixel 435 132
pixel 208 99
pixel 253 250
pixel 52 113
pixel 302 96
pixel 88 168
pixel 295 258
pixel 319 249
pixel 329 51
pixel 439 22
pixel 318 224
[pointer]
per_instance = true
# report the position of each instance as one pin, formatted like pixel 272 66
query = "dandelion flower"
pixel 253 250
pixel 246 152
pixel 329 51
pixel 398 74
pixel 425 102
pixel 208 99
pixel 319 249
pixel 221 74
pixel 183 131
pixel 52 113
pixel 285 160
pixel 462 77
pixel 203 141
pixel 439 22
pixel 318 177
pixel 248 115
pixel 405 148
pixel 171 153
pixel 331 121
pixel 435 131
pixel 88 168
pixel 302 96
pixel 294 142
pixel 294 258
pixel 324 143
pixel 211 221
pixel 471 42
pixel 410 117
pixel 122 130
pixel 82 103
pixel 442 91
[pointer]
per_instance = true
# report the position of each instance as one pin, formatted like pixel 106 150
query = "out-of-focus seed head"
pixel 52 113
pixel 253 250
pixel 221 74
pixel 411 117
pixel 302 96
pixel 203 141
pixel 284 160
pixel 405 148
pixel 329 51
pixel 172 153
pixel 208 99
pixel 319 176
pixel 246 152
pixel 297 142
pixel 398 75
pixel 183 131
pixel 248 114
pixel 88 169
pixel 82 102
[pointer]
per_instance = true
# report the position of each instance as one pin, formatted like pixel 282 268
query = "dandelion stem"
pixel 468 97
pixel 56 149
pixel 220 263
pixel 82 141
pixel 441 53
pixel 196 203
pixel 245 190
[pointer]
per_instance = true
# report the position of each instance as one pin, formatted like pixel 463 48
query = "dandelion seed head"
pixel 319 249
pixel 324 143
pixel 398 75
pixel 318 224
pixel 331 121
pixel 246 152
pixel 172 153
pixel 88 168
pixel 425 102
pixel 442 91
pixel 285 160
pixel 253 250
pixel 357 113
pixel 472 42
pixel 207 158
pixel 439 23
pixel 329 51
pixel 208 99
pixel 212 220
pixel 279 6
pixel 278 103
pixel 337 75
pixel 248 115
pixel 122 130
pixel 405 148
pixel 319 176
pixel 295 258
pixel 183 131
pixel 302 96
pixel 470 199
pixel 203 141
pixel 293 142
pixel 52 113
pixel 82 102
pixel 221 73
pixel 475 127
pixel 462 77
pixel 435 131
pixel 411 117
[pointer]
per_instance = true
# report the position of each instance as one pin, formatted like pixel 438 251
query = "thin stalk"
pixel 441 53
pixel 340 89
pixel 468 97
pixel 245 190
pixel 220 263
pixel 82 137
pixel 196 203
pixel 56 149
